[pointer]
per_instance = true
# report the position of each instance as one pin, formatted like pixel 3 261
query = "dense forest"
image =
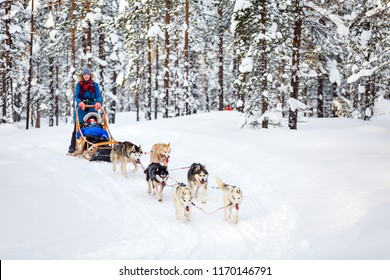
pixel 318 58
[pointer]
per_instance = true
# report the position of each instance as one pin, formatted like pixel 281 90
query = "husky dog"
pixel 232 197
pixel 160 153
pixel 126 152
pixel 156 175
pixel 197 176
pixel 182 198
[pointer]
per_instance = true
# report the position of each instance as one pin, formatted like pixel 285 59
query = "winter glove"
pixel 97 106
pixel 82 105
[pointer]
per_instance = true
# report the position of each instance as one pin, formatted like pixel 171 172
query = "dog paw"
pixel 203 202
pixel 234 219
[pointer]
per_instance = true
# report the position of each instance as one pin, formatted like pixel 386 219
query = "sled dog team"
pixel 157 175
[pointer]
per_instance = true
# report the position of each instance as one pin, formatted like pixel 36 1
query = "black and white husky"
pixel 232 198
pixel 156 176
pixel 125 152
pixel 182 199
pixel 197 176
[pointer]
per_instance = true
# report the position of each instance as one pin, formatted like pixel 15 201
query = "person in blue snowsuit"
pixel 92 129
pixel 87 92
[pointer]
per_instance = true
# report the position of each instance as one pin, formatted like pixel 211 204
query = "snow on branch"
pixel 379 9
pixel 155 31
pixel 295 104
pixel 358 75
pixel 246 65
pixel 341 28
pixel 365 73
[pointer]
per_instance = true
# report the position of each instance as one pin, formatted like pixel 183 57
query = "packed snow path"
pixel 321 192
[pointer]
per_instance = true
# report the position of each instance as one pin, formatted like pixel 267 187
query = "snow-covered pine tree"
pixel 16 41
pixel 257 40
pixel 6 63
pixel 224 14
pixel 113 64
pixel 133 24
pixel 370 46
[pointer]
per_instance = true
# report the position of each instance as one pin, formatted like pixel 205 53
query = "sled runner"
pixel 93 137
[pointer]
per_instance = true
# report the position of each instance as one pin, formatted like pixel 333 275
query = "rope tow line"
pixel 179 168
pixel 208 213
pixel 169 177
pixel 186 167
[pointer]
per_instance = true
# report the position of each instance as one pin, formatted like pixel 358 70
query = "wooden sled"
pixel 94 149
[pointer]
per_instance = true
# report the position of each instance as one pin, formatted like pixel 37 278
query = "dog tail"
pixel 220 184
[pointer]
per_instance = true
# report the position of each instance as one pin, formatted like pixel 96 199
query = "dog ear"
pixel 197 168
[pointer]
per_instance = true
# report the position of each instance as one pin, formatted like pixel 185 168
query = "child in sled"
pixel 92 129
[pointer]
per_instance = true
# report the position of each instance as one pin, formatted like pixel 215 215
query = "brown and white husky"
pixel 160 153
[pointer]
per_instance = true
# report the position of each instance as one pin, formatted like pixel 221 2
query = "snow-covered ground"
pixel 321 192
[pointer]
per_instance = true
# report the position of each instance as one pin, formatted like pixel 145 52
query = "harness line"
pixel 174 179
pixel 186 167
pixel 208 213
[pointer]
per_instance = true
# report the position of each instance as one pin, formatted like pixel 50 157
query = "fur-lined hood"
pixel 93 115
pixel 80 77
